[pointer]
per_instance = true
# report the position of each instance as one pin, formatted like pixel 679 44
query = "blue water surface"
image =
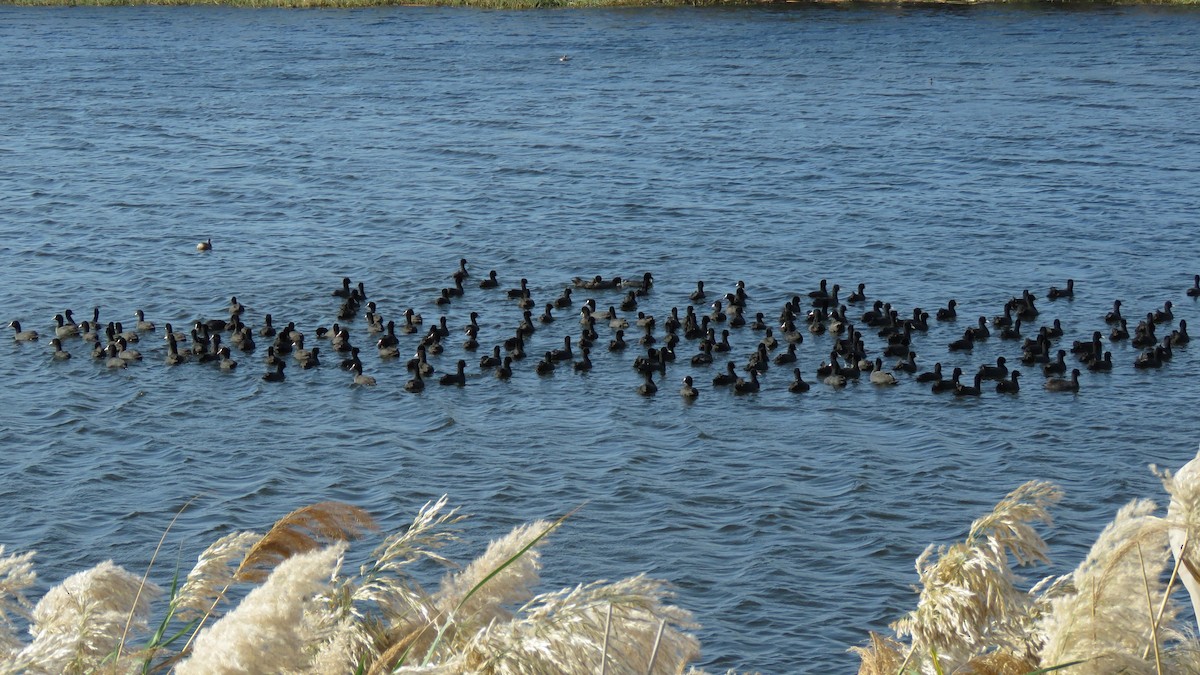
pixel 931 153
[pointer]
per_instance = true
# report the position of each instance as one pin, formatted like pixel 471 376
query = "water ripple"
pixel 949 160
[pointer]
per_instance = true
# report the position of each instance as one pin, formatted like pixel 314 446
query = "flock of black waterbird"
pixel 658 342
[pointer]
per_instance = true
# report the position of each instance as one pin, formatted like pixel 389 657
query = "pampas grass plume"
pixel 16 575
pixel 565 632
pixel 268 631
pixel 213 574
pixel 510 586
pixel 79 622
pixel 1106 619
pixel 968 595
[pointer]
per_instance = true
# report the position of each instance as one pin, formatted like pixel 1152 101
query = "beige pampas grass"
pixel 386 581
pixel 16 575
pixel 969 603
pixel 509 583
pixel 79 623
pixel 1183 516
pixel 213 574
pixel 305 529
pixel 385 600
pixel 883 656
pixel 472 599
pixel 1113 614
pixel 566 631
pixel 1109 619
pixel 306 617
pixel 268 631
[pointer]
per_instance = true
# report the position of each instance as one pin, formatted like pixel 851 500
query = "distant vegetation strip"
pixel 545 4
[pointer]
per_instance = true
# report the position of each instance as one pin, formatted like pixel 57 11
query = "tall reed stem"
pixel 1162 607
pixel 657 641
pixel 1150 611
pixel 604 648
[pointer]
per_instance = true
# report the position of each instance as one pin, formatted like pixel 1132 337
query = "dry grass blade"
pixel 305 529
pixel 604 647
pixel 657 641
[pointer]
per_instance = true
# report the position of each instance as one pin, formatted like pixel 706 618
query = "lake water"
pixel 932 153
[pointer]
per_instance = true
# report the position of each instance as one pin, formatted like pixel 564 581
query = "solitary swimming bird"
pixel 934 375
pixel 996 372
pixel 648 388
pixel 416 384
pixel 585 363
pixel 798 385
pixel 728 377
pixel 205 245
pixel 64 329
pixel 948 313
pixel 744 387
pixel 973 390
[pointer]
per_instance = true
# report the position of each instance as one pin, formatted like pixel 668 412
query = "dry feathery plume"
pixel 213 574
pixel 385 596
pixel 305 529
pixel 386 581
pixel 564 632
pixel 509 586
pixel 969 601
pixel 16 575
pixel 473 598
pixel 1183 657
pixel 996 663
pixel 1107 619
pixel 1009 527
pixel 338 651
pixel 1183 516
pixel 300 531
pixel 883 656
pixel 79 623
pixel 268 631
